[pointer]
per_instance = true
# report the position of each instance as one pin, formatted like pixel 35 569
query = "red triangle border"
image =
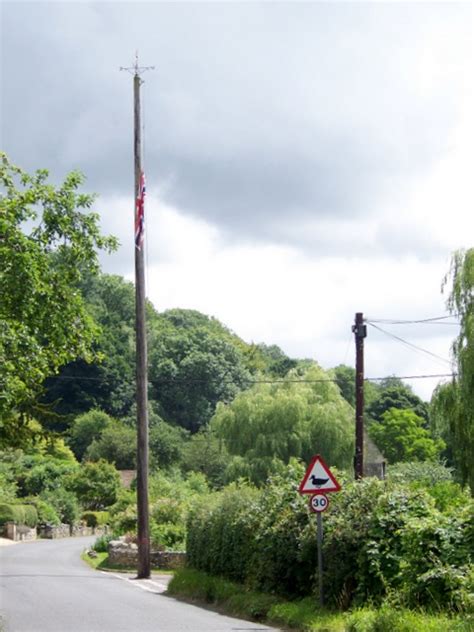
pixel 326 490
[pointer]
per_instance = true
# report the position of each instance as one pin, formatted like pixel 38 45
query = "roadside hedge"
pixel 380 538
pixel 96 518
pixel 19 514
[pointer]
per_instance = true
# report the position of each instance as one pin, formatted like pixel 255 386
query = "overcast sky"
pixel 304 161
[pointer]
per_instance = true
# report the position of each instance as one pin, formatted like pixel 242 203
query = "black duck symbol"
pixel 318 482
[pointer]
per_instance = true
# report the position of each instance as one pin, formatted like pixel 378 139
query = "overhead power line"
pixel 409 344
pixel 282 381
pixel 437 320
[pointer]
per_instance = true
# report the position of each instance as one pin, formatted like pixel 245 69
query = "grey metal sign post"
pixel 318 481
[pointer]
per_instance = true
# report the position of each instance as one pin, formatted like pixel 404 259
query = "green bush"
pixel 47 514
pixel 101 545
pixel 19 514
pixel 64 503
pixel 96 485
pixel 7 513
pixel 168 536
pixel 390 618
pixel 8 486
pixel 48 475
pixel 379 539
pixel 125 521
pixel 425 472
pixel 31 516
pixel 117 445
pixel 96 518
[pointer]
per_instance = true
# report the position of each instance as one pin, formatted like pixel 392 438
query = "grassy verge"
pixel 305 615
pixel 101 562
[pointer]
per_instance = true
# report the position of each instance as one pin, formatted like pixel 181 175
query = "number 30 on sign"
pixel 318 503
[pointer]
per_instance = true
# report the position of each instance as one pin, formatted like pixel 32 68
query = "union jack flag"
pixel 140 213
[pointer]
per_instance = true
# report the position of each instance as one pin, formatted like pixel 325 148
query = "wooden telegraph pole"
pixel 360 332
pixel 143 530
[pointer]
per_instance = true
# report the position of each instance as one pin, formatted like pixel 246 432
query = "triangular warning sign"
pixel 318 478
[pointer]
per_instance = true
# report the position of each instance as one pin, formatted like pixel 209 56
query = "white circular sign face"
pixel 318 503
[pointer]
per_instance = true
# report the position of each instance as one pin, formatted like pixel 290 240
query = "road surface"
pixel 46 587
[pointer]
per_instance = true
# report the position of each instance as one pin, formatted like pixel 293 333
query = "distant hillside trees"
pixel 194 361
pixel 194 364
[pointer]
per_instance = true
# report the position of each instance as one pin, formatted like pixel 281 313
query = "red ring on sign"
pixel 318 503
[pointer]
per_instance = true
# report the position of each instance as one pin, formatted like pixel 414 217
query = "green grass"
pixel 101 562
pixel 305 614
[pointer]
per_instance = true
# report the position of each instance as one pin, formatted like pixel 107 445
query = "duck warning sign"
pixel 318 478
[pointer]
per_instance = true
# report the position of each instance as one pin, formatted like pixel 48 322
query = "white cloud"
pixel 305 304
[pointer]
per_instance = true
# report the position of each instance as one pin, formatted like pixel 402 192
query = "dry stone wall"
pixel 19 532
pixel 122 553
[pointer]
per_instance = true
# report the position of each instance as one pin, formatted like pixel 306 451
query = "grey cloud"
pixel 258 117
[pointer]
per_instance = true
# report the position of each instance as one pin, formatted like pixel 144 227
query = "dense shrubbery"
pixel 19 514
pixel 95 518
pixel 380 538
pixel 56 489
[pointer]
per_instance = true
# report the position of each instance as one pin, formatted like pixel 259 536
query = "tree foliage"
pixel 194 364
pixel 380 539
pixel 116 444
pixel 96 485
pixel 48 240
pixel 270 423
pixel 453 404
pixel 393 393
pixel 85 428
pixel 108 382
pixel 401 437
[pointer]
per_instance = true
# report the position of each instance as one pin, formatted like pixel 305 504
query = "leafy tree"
pixel 64 503
pixel 116 444
pixel 49 475
pixel 393 393
pixel 107 383
pixel 276 361
pixel 167 444
pixel 85 429
pixel 271 423
pixel 345 379
pixel 453 404
pixel 96 485
pixel 206 453
pixel 48 240
pixel 401 437
pixel 194 364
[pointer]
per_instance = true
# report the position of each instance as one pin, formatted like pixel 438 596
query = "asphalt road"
pixel 46 587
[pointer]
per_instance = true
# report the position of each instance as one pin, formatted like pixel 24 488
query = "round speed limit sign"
pixel 318 503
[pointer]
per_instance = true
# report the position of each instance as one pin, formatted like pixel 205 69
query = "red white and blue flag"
pixel 140 213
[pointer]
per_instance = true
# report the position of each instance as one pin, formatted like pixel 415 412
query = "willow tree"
pixel 453 403
pixel 267 425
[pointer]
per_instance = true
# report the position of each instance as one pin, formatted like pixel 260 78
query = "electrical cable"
pixel 410 344
pixel 282 381
pixel 424 321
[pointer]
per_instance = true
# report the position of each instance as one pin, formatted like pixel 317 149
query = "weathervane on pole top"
pixel 137 70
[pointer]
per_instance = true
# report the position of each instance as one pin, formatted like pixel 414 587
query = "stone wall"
pixel 51 533
pixel 19 532
pixel 65 531
pixel 168 560
pixel 123 553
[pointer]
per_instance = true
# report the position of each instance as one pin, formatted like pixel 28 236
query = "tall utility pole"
pixel 360 332
pixel 143 530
